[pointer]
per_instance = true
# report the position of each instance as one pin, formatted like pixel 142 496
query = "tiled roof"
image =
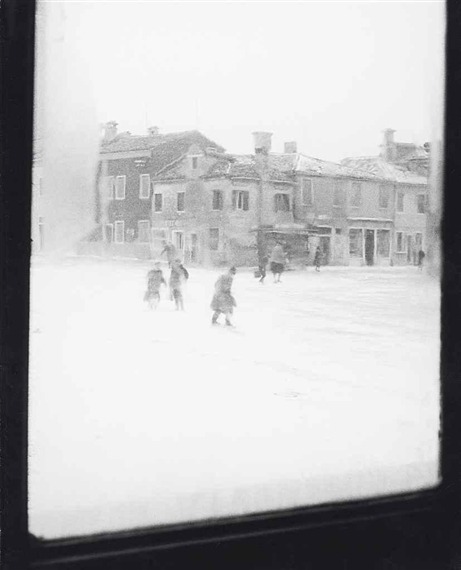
pixel 180 141
pixel 384 170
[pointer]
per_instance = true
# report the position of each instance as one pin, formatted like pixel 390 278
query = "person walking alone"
pixel 277 262
pixel 155 280
pixel 178 276
pixel 318 258
pixel 170 251
pixel 223 300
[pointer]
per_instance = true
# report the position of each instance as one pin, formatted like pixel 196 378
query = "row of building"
pixel 219 208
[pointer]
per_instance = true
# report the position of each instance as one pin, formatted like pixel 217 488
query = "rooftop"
pixel 381 169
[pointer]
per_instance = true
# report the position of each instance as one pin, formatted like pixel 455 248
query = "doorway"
pixel 369 246
pixel 409 249
pixel 324 244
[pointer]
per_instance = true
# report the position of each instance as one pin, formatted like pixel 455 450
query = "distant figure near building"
pixel 154 282
pixel 277 262
pixel 170 251
pixel 421 256
pixel 179 275
pixel 318 258
pixel 223 301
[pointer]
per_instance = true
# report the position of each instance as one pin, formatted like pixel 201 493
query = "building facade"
pixel 219 208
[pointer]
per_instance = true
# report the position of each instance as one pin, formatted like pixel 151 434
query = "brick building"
pixel 128 163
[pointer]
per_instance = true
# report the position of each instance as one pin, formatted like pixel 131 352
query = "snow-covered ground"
pixel 326 390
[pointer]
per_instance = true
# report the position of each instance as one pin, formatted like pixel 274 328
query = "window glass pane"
pixel 147 407
pixel 158 202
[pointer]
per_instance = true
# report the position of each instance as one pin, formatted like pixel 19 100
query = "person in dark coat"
pixel 170 251
pixel 155 280
pixel 223 300
pixel 278 260
pixel 178 276
pixel 317 258
pixel 421 256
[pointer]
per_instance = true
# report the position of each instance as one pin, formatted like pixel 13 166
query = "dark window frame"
pixel 181 201
pixel 156 209
pixel 416 530
pixel 217 199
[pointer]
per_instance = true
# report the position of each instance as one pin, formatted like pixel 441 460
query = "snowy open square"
pixel 327 389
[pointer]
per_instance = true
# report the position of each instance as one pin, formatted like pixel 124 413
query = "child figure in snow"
pixel 223 301
pixel 155 280
pixel 178 276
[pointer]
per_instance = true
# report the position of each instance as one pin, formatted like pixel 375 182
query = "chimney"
pixel 110 131
pixel 388 147
pixel 262 142
pixel 291 147
pixel 153 131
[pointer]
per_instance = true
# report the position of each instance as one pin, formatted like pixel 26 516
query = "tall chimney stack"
pixel 291 147
pixel 388 151
pixel 262 142
pixel 110 131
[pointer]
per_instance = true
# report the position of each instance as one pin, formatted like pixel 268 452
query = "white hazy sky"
pixel 330 75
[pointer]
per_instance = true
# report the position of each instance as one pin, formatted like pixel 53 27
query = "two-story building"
pixel 128 163
pixel 403 167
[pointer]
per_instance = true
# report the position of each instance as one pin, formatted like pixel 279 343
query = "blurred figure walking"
pixel 318 258
pixel 223 300
pixel 178 276
pixel 155 280
pixel 277 262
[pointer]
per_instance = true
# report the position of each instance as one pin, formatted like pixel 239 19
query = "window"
pixel 119 231
pixel 307 193
pixel 400 242
pixel 240 199
pixel 108 185
pixel 143 231
pixel 356 242
pixel 194 162
pixel 120 185
pixel 144 186
pixel 109 233
pixel 338 195
pixel 400 196
pixel 356 197
pixel 421 203
pixel 158 202
pixel 383 247
pixel 383 197
pixel 180 201
pixel 281 203
pixel 214 238
pixel 338 231
pixel 218 200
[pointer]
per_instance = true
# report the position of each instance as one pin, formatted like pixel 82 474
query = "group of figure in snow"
pixel 155 279
pixel 278 261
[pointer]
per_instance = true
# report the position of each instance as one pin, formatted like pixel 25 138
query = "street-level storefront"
pixel 370 241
